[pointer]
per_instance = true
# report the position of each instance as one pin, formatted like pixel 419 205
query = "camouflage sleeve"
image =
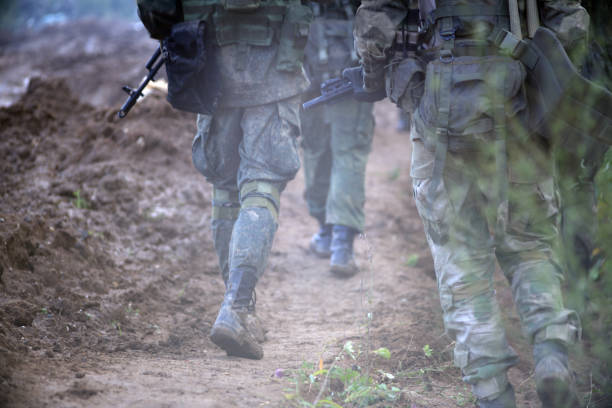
pixel 569 20
pixel 376 22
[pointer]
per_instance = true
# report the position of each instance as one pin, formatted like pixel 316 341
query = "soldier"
pixel 336 139
pixel 248 148
pixel 483 185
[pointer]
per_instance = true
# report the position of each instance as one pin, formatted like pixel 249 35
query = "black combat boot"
pixel 321 241
pixel 342 261
pixel 554 381
pixel 505 400
pixel 236 329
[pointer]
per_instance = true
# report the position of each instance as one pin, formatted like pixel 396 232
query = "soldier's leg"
pixel 527 258
pixel 352 128
pixel 458 235
pixel 268 160
pixel 226 207
pixel 215 155
pixel 317 169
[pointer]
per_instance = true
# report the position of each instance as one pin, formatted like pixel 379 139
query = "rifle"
pixel 153 65
pixel 331 89
pixel 350 83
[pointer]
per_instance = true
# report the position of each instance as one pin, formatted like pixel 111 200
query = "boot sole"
pixel 557 393
pixel 344 271
pixel 224 337
pixel 323 255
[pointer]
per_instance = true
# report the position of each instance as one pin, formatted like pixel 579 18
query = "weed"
pixel 129 310
pixel 117 326
pixel 411 260
pixel 80 202
pixel 427 351
pixel 393 174
pixel 344 383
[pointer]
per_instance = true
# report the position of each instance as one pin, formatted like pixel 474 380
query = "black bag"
pixel 193 83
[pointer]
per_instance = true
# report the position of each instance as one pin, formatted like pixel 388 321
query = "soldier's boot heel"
pixel 554 381
pixel 230 332
pixel 342 262
pixel 555 384
pixel 505 400
pixel 320 243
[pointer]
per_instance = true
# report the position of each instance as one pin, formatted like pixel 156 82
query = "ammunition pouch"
pixel 193 83
pixel 565 108
pixel 405 83
pixel 254 28
pixel 293 37
pixel 243 6
pixel 158 16
pixel 260 25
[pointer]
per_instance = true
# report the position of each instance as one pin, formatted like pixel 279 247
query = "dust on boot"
pixel 506 399
pixel 342 261
pixel 236 328
pixel 554 381
pixel 320 243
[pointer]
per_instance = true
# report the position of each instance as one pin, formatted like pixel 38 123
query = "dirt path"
pixel 109 283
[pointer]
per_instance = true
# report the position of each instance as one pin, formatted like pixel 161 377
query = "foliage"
pixel 345 383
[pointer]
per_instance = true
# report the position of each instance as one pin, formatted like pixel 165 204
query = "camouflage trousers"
pixel 337 140
pixel 459 216
pixel 575 179
pixel 248 154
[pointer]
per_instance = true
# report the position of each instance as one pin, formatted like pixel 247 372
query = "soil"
pixel 109 283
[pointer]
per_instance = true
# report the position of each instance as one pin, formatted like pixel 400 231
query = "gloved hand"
pixel 355 76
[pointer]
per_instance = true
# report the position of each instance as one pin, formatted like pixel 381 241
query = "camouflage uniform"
pixel 475 170
pixel 337 137
pixel 248 148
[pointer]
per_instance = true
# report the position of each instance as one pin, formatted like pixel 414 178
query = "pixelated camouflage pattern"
pixel 458 221
pixel 337 140
pixel 377 21
pixel 253 79
pixel 238 145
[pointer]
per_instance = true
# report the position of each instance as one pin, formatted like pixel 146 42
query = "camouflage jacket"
pixel 377 23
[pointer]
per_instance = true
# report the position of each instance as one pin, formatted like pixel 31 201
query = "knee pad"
pixel 225 204
pixel 261 194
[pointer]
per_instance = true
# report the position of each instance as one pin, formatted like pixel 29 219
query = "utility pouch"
pixel 293 36
pixel 256 28
pixel 243 6
pixel 193 83
pixel 158 16
pixel 406 82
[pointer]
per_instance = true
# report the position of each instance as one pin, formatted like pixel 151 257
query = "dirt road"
pixel 109 282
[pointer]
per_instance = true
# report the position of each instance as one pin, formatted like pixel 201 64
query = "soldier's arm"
pixel 570 22
pixel 376 23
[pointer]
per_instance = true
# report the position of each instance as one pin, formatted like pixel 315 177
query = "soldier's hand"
pixel 355 76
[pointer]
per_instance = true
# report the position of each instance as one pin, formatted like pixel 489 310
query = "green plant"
pixel 79 202
pixel 411 260
pixel 344 383
pixel 117 326
pixel 393 174
pixel 427 350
